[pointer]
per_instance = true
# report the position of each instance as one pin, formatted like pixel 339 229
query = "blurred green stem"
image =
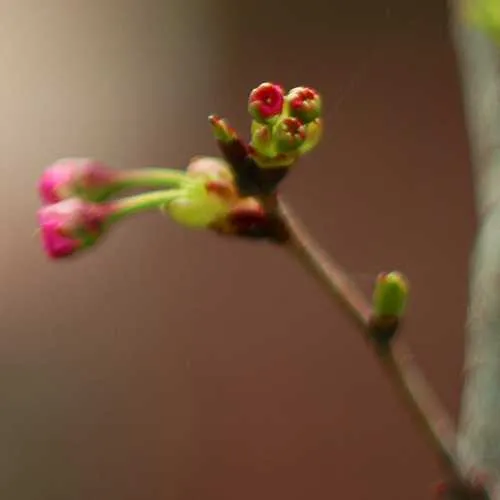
pixel 152 178
pixel 132 205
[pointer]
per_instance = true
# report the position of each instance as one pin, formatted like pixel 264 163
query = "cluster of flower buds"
pixel 79 204
pixel 284 127
pixel 229 195
pixel 213 201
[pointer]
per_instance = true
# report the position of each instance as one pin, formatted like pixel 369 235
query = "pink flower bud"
pixel 265 102
pixel 304 103
pixel 70 225
pixel 86 178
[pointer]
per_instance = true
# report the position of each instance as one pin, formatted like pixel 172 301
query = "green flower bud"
pixel 289 134
pixel 262 140
pixel 304 103
pixel 390 295
pixel 314 132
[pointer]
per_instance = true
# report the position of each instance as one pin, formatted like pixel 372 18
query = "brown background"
pixel 170 364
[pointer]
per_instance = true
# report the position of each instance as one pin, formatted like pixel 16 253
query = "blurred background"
pixel 169 364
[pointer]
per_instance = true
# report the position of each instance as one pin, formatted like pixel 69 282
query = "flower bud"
pixel 221 129
pixel 71 225
pixel 209 168
pixel 289 134
pixel 304 103
pixel 262 140
pixel 265 102
pixel 81 177
pixel 390 295
pixel 314 132
pixel 202 203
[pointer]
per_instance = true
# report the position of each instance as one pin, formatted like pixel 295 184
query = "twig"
pixel 396 361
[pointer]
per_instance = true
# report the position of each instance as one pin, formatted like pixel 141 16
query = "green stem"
pixel 143 202
pixel 152 178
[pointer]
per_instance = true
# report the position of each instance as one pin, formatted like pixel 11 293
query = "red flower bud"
pixel 266 102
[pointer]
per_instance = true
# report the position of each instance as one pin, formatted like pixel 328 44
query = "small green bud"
pixel 390 295
pixel 289 134
pixel 262 140
pixel 304 103
pixel 314 132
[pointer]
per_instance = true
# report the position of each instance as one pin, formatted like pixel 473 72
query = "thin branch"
pixel 396 361
pixel 324 268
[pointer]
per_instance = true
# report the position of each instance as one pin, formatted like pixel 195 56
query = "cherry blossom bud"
pixel 289 134
pixel 265 102
pixel 85 178
pixel 304 103
pixel 71 225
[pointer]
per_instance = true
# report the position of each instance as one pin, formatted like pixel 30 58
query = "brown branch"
pixel 395 360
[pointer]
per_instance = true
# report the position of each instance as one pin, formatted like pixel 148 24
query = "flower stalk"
pixel 92 180
pixel 151 178
pixel 144 202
